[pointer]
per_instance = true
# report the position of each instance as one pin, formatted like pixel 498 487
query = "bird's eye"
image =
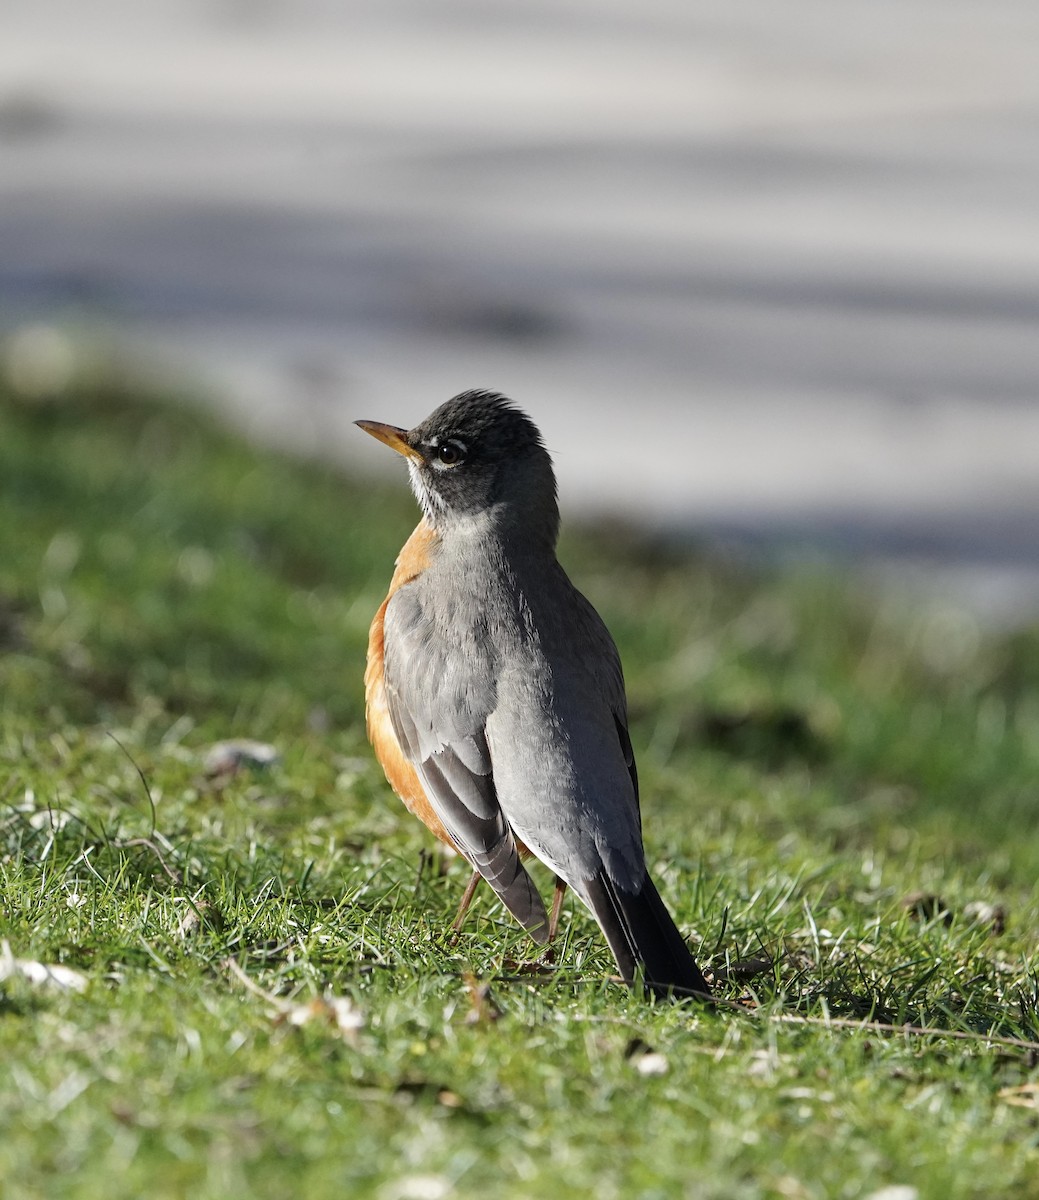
pixel 451 453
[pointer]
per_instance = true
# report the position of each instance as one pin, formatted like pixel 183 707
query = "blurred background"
pixel 765 273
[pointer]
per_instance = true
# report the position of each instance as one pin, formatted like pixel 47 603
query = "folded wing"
pixel 439 713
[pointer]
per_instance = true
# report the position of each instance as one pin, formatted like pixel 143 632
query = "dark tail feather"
pixel 642 934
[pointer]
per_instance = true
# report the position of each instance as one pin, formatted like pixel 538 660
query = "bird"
pixel 495 698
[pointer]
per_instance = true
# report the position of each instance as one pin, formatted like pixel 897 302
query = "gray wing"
pixel 568 784
pixel 610 679
pixel 439 691
pixel 629 758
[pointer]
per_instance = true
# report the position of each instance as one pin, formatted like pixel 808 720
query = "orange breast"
pixel 400 773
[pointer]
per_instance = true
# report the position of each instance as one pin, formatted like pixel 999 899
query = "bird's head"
pixel 478 458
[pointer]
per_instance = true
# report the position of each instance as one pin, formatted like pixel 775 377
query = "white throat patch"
pixel 428 500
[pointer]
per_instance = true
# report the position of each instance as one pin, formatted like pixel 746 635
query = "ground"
pixel 229 976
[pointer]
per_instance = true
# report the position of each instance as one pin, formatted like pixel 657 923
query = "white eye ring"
pixel 451 453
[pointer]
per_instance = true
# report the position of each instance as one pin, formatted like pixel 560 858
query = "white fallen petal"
pixel 333 1010
pixel 652 1063
pixel 42 974
pixel 347 1017
pixel 419 1187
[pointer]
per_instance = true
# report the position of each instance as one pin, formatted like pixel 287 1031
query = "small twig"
pixel 961 1035
pixel 251 986
pixel 863 1026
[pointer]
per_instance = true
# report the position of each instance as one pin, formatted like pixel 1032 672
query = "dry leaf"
pixel 980 912
pixel 199 913
pixel 482 1006
pixel 1025 1095
pixel 226 758
pixel 927 906
pixel 741 970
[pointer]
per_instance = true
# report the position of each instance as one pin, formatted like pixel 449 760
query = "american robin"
pixel 494 691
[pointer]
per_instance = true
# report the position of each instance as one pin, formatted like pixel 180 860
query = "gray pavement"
pixel 769 270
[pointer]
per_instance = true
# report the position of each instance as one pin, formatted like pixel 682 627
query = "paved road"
pixel 753 267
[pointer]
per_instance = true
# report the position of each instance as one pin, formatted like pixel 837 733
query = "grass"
pixel 840 806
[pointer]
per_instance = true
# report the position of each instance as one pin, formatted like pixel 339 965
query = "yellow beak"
pixel 395 438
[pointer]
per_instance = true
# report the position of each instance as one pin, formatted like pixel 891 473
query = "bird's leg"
pixel 548 955
pixel 463 908
pixel 470 891
pixel 557 908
